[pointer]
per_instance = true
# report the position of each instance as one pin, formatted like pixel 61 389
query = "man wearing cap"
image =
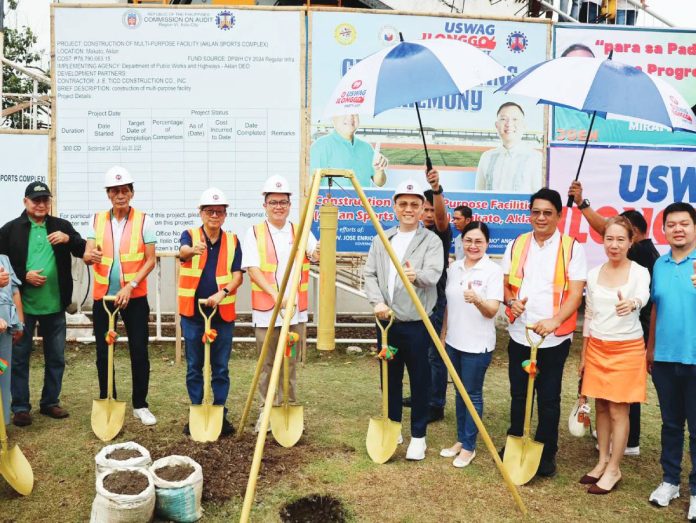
pixel 420 252
pixel 266 253
pixel 39 247
pixel 121 246
pixel 211 261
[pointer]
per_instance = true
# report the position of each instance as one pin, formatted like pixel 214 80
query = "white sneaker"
pixel 692 509
pixel 416 449
pixel 461 463
pixel 400 441
pixel 632 451
pixel 145 416
pixel 663 494
pixel 257 427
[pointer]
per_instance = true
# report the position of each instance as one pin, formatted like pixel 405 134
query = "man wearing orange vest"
pixel 211 261
pixel 545 274
pixel 121 246
pixel 266 251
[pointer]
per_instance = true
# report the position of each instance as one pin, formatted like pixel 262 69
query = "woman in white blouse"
pixel 613 365
pixel 474 293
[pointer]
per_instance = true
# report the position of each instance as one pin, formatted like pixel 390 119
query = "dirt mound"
pixel 314 508
pixel 174 472
pixel 226 463
pixel 126 482
pixel 124 454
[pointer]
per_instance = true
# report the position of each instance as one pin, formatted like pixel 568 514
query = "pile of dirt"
pixel 314 508
pixel 226 463
pixel 128 482
pixel 174 472
pixel 124 454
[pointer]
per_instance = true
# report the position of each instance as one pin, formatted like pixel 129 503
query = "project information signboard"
pixel 185 99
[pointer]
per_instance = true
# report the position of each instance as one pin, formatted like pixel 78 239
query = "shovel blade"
pixel 382 439
pixel 522 458
pixel 16 470
pixel 205 422
pixel 287 424
pixel 107 418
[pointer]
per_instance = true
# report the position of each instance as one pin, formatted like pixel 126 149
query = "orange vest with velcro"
pixel 191 271
pixel 131 252
pixel 520 250
pixel 268 264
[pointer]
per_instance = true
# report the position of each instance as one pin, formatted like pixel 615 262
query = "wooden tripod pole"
pixel 299 248
pixel 438 345
pixel 274 316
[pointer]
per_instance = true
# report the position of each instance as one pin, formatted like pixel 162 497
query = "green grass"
pixel 439 157
pixel 339 394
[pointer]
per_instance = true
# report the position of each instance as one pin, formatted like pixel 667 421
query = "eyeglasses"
pixel 278 203
pixel 215 212
pixel 536 213
pixel 478 243
pixel 409 205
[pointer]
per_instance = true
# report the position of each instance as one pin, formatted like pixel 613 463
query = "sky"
pixel 36 14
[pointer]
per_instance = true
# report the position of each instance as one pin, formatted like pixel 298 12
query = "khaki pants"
pixel 266 369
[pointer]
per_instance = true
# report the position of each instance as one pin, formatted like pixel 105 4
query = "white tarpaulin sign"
pixel 185 99
pixel 23 159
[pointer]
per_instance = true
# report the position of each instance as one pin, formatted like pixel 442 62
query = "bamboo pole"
pixel 438 345
pixel 299 246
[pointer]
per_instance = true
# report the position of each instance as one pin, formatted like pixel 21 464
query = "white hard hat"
pixel 409 187
pixel 212 196
pixel 116 176
pixel 276 184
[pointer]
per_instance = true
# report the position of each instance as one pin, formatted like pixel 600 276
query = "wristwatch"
pixel 133 284
pixel 510 302
pixel 440 190
pixel 584 204
pixel 225 291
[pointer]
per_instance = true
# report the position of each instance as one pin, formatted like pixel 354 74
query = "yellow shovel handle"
pixel 384 329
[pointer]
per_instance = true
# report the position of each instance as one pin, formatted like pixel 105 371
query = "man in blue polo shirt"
pixel 671 349
pixel 341 149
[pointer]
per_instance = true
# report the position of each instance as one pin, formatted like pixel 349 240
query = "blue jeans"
pixel 676 390
pixel 53 332
pixel 438 371
pixel 220 352
pixel 471 369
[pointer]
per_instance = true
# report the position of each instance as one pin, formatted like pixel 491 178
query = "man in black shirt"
pixel 644 253
pixel 436 219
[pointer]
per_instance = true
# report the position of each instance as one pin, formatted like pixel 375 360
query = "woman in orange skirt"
pixel 613 365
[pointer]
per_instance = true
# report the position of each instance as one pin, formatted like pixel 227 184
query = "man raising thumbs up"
pixel 40 247
pixel 545 274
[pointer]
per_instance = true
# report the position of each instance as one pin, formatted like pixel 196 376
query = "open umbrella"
pixel 410 72
pixel 605 88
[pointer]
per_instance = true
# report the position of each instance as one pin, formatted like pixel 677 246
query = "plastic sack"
pixel 178 500
pixel 109 507
pixel 103 463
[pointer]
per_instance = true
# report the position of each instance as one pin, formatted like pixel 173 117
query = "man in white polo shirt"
pixel 545 273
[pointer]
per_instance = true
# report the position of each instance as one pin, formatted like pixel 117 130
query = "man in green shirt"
pixel 341 149
pixel 40 247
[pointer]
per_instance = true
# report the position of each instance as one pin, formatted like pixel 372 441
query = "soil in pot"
pixel 124 454
pixel 128 482
pixel 175 472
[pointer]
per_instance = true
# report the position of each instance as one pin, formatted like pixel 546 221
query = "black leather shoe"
pixel 547 468
pixel 436 414
pixel 227 428
pixel 406 402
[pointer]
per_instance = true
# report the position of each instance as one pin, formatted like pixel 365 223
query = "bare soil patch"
pixel 314 508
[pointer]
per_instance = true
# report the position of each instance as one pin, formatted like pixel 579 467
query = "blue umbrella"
pixel 604 88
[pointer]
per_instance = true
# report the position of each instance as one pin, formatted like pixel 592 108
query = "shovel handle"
pixel 527 329
pixel 111 313
pixel 384 330
pixel 206 317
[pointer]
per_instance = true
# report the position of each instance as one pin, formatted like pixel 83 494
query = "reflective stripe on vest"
pixel 518 258
pixel 191 271
pixel 268 264
pixel 131 252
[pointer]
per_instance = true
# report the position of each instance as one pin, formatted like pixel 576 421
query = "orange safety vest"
pixel 131 252
pixel 260 300
pixel 191 271
pixel 520 250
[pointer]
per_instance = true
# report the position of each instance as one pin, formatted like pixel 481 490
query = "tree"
pixel 19 48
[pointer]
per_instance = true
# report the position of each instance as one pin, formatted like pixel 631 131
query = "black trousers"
pixel 135 317
pixel 550 363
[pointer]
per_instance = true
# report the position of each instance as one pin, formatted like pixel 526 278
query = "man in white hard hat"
pixel 211 261
pixel 266 249
pixel 121 247
pixel 420 252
